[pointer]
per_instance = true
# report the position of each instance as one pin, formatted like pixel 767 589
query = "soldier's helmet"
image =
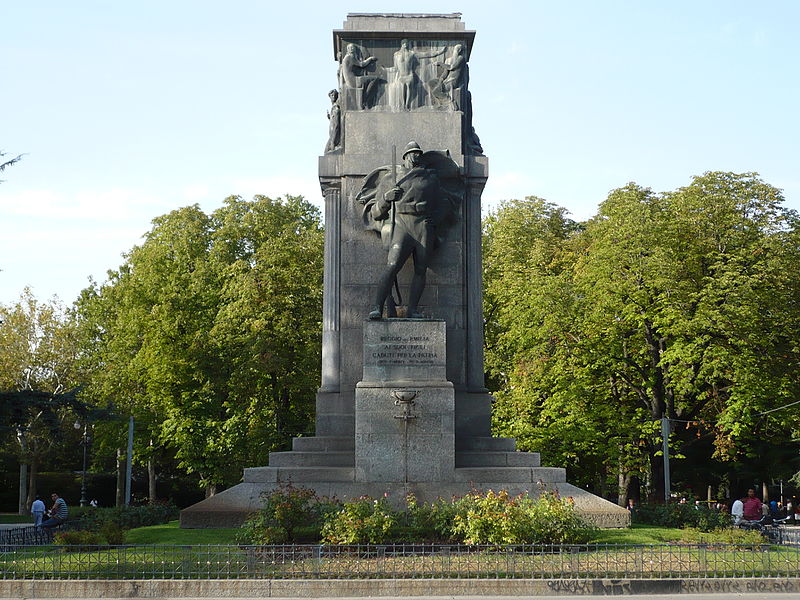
pixel 412 147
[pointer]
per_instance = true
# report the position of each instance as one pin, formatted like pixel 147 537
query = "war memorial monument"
pixel 402 405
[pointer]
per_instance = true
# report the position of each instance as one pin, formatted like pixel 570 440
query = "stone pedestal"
pixel 405 407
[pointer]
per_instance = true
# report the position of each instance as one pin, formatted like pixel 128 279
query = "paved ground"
pixel 755 596
pixel 14 525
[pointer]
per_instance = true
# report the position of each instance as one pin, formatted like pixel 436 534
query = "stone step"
pixel 324 444
pixel 479 476
pixel 497 459
pixel 487 444
pixel 312 459
pixel 335 424
pixel 297 475
pixel 314 474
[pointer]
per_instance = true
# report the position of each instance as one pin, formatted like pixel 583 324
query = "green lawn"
pixel 215 562
pixel 637 534
pixel 166 551
pixel 172 534
pixel 12 518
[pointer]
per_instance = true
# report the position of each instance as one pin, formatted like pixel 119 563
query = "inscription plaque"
pixel 399 350
pixel 404 350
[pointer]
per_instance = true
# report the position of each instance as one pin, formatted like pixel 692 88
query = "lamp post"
pixel 84 443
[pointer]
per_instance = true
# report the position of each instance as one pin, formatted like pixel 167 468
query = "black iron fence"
pixel 28 535
pixel 25 536
pixel 399 562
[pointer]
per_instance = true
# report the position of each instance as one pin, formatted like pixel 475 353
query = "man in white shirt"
pixel 737 511
pixel 37 510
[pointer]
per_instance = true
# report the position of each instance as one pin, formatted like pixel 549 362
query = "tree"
pixel 676 305
pixel 209 333
pixel 8 163
pixel 38 354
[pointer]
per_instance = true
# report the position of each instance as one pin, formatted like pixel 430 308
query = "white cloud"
pixel 195 192
pixel 115 204
pixel 508 185
pixel 279 185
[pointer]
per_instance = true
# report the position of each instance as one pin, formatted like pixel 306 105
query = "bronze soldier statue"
pixel 410 206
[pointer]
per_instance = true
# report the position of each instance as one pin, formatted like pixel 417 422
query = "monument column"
pixel 332 191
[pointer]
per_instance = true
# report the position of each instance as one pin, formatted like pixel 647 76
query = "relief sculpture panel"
pixel 419 74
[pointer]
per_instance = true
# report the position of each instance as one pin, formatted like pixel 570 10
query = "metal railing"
pixel 25 536
pixel 29 535
pixel 405 561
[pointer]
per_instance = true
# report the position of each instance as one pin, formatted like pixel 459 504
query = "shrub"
pixel 497 518
pixel 427 521
pixel 681 516
pixel 555 521
pixel 491 518
pixel 287 514
pixel 360 521
pixel 128 517
pixel 112 533
pixel 77 540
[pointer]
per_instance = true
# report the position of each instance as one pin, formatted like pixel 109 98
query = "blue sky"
pixel 129 110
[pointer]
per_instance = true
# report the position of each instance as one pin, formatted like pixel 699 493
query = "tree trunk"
pixel 120 500
pixel 23 489
pixel 623 486
pixel 151 480
pixel 211 490
pixel 33 475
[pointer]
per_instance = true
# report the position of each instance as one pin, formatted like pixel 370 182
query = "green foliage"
pixel 493 518
pixel 701 518
pixel 39 353
pixel 477 518
pixel 497 518
pixel 429 521
pixel 112 533
pixel 676 304
pixel 286 513
pixel 128 517
pixel 361 521
pixel 209 334
pixel 77 540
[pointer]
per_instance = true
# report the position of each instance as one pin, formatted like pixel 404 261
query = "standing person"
pixel 457 76
pixel 752 506
pixel 405 65
pixel 58 512
pixel 37 510
pixel 737 511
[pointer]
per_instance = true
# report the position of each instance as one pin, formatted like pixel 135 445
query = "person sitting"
pixel 737 511
pixel 752 506
pixel 58 512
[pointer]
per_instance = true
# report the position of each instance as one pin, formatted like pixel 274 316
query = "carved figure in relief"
pixel 456 76
pixel 334 123
pixel 406 62
pixel 352 75
pixel 410 206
